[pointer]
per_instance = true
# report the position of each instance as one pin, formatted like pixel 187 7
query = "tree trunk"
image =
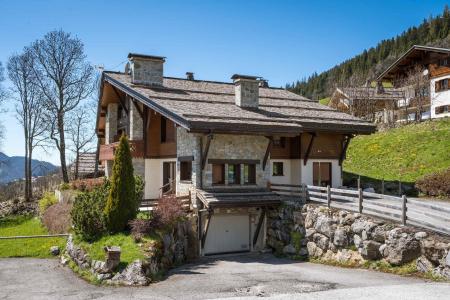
pixel 26 185
pixel 77 162
pixel 62 148
pixel 30 172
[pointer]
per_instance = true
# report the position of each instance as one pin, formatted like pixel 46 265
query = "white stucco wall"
pixel 336 174
pixel 439 98
pixel 154 176
pixel 291 171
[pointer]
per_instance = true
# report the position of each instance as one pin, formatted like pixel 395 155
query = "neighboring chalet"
pixel 420 89
pixel 221 143
pixel 86 166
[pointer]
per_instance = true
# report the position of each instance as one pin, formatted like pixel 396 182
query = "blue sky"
pixel 280 40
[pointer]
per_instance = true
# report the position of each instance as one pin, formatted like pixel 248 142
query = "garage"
pixel 228 234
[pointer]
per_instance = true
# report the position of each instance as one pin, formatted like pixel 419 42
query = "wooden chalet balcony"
pixel 107 151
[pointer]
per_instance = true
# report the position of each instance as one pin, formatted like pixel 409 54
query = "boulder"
pixel 303 252
pixel 325 225
pixel 321 241
pixel 289 250
pixel 309 233
pixel 313 250
pixel 298 218
pixel 370 250
pixel 383 250
pixel 54 250
pixel 361 224
pixel 347 220
pixel 424 265
pixel 442 272
pixel 434 250
pixel 420 235
pixel 134 274
pixel 379 234
pixel 447 259
pixel 310 219
pixel 340 237
pixel 402 247
pixel 357 241
pixel 348 256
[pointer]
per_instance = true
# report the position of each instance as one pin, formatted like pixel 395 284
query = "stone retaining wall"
pixel 175 248
pixel 351 238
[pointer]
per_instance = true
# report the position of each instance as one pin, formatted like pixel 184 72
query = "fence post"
pixel 382 186
pixel 304 192
pixel 404 208
pixel 359 182
pixel 399 188
pixel 360 200
pixel 328 196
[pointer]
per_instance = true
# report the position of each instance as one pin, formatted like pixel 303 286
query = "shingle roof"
pixel 370 93
pixel 239 197
pixel 207 105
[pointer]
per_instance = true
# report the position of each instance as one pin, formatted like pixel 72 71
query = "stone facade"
pixel 136 123
pixel 111 122
pixel 188 144
pixel 246 93
pixel 146 71
pixel 228 146
pixel 139 166
pixel 351 238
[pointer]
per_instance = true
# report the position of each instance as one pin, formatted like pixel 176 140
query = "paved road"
pixel 249 276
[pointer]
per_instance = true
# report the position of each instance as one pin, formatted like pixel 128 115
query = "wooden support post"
pixel 205 231
pixel 359 182
pixel 328 196
pixel 136 105
pixel 360 200
pixel 344 149
pixel 205 153
pixel 258 227
pixel 404 209
pixel 308 150
pixel 399 188
pixel 121 100
pixel 266 155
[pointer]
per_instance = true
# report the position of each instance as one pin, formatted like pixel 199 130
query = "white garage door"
pixel 228 233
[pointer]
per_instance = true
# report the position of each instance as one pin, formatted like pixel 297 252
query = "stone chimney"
pixel 146 69
pixel 189 75
pixel 246 90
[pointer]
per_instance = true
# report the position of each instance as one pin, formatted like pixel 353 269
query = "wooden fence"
pixel 151 204
pixel 428 215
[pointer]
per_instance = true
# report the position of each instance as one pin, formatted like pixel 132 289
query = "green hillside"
pixel 405 153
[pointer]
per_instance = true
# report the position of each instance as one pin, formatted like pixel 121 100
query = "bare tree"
pixel 81 134
pixel 3 95
pixel 419 84
pixel 65 79
pixel 29 109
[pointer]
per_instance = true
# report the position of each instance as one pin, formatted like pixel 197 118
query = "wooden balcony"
pixel 107 151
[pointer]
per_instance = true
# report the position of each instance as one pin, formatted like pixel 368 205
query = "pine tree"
pixel 121 206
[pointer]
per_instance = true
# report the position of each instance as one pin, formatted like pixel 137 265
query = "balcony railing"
pixel 107 151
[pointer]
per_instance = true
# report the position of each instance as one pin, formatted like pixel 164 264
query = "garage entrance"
pixel 228 234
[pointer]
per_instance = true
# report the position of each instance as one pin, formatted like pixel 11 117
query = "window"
pixel 218 174
pixel 185 170
pixel 167 131
pixel 442 85
pixel 277 169
pixel 442 109
pixel 234 174
pixel 443 62
pixel 249 174
pixel 322 173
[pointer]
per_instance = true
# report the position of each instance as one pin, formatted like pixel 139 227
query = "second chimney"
pixel 146 69
pixel 246 90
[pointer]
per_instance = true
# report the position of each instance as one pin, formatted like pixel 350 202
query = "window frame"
pixel 236 174
pixel 222 166
pixel 186 174
pixel 273 168
pixel 249 175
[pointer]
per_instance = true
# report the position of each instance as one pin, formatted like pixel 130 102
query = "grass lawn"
pixel 21 225
pixel 406 153
pixel 325 101
pixel 130 250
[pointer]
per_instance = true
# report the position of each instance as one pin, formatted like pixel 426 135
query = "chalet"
pixel 433 86
pixel 420 89
pixel 222 143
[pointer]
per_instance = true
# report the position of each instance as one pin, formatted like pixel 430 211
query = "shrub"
pixel 46 201
pixel 64 186
pixel 88 212
pixel 87 184
pixel 57 218
pixel 436 184
pixel 121 206
pixel 169 211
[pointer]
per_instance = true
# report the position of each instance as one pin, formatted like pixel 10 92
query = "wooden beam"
pixel 138 108
pixel 344 149
pixel 234 161
pixel 205 231
pixel 121 100
pixel 268 150
pixel 308 151
pixel 145 119
pixel 258 227
pixel 205 153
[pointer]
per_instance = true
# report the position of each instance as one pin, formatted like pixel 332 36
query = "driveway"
pixel 248 276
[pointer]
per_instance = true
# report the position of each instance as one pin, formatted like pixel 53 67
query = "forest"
pixel 364 67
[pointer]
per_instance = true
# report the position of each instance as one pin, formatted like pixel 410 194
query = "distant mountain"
pixel 12 168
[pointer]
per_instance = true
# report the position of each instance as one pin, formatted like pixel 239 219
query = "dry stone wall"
pixel 351 238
